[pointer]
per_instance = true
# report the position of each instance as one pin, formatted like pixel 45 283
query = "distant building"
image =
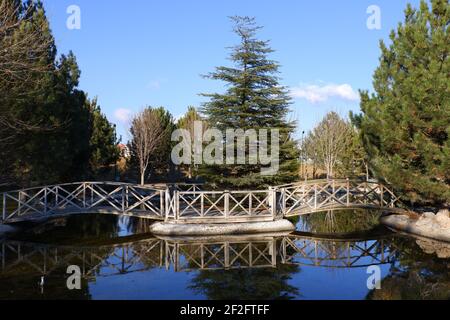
pixel 124 151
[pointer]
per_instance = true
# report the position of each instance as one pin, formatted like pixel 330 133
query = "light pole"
pixel 302 155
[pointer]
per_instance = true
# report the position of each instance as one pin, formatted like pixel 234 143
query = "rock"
pixel 426 226
pixel 441 249
pixel 425 221
pixel 427 215
pixel 443 219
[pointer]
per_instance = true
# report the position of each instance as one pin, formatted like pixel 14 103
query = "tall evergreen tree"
pixel 254 100
pixel 405 125
pixel 103 141
pixel 51 127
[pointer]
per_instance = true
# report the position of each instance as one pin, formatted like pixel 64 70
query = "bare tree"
pixel 328 141
pixel 188 122
pixel 147 132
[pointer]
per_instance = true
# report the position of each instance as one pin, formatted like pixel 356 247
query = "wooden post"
pixel 348 192
pixel 227 203
pixel 45 200
pixel 274 252
pixel 315 196
pixel 382 196
pixel 168 202
pixel 123 198
pixel 161 203
pixel 202 204
pixel 56 197
pixel 272 202
pixel 19 205
pixel 177 201
pixel 4 208
pixel 84 195
pixel 250 204
pixel 227 255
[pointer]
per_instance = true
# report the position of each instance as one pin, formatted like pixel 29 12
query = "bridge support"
pixel 221 229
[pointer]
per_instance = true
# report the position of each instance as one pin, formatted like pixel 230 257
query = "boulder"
pixel 443 219
pixel 426 219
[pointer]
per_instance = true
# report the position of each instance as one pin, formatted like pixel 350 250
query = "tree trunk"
pixel 189 172
pixel 142 178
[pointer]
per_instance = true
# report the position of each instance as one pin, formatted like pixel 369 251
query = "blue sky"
pixel 140 52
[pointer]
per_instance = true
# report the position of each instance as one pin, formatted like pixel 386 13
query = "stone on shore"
pixel 429 225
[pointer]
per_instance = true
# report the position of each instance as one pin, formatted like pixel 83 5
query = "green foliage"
pixel 59 136
pixel 161 160
pixel 343 221
pixel 405 125
pixel 247 284
pixel 254 100
pixel 103 140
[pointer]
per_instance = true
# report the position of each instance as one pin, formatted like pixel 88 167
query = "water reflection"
pixel 118 259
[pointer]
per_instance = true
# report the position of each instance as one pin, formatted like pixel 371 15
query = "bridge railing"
pixel 187 255
pixel 83 197
pixel 189 204
pixel 228 206
pixel 320 195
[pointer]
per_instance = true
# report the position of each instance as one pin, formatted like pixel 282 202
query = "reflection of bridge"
pixel 188 204
pixel 182 255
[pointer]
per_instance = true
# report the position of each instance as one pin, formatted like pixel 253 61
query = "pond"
pixel 331 256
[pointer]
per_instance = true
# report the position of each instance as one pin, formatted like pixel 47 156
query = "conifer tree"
pixel 405 125
pixel 254 99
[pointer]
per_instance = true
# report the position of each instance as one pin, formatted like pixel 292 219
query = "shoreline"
pixel 427 225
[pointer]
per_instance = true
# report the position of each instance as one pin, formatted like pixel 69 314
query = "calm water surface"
pixel 119 259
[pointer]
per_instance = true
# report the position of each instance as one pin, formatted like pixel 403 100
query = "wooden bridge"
pixel 186 203
pixel 185 255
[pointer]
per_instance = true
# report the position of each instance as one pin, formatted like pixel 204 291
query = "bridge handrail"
pixel 321 181
pixel 109 183
pixel 164 201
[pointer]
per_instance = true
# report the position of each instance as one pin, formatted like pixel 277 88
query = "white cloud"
pixel 123 115
pixel 154 85
pixel 321 93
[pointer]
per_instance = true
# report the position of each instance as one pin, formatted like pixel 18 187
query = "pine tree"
pixel 103 141
pixel 254 100
pixel 405 125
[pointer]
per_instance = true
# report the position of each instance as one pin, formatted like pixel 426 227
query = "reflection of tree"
pixel 85 228
pixel 416 275
pixel 343 221
pixel 247 284
pixel 25 286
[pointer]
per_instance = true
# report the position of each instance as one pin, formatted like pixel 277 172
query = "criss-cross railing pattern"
pixel 231 206
pixel 334 253
pixel 84 197
pixel 182 256
pixel 188 204
pixel 221 255
pixel 316 196
pixel 93 261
